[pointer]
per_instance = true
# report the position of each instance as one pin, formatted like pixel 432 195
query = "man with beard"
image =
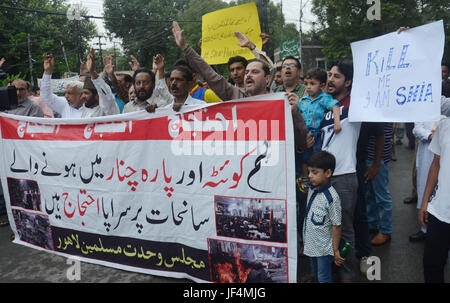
pixel 69 106
pixel 97 96
pixel 25 107
pixel 147 95
pixel 257 72
pixel 350 150
pixel 257 77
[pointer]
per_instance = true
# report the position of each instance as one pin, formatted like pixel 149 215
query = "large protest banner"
pixel 206 194
pixel 397 77
pixel 219 42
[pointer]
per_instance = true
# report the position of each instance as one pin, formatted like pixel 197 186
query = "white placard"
pixel 397 77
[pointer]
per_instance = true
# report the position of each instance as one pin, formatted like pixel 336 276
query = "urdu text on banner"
pixel 397 77
pixel 206 194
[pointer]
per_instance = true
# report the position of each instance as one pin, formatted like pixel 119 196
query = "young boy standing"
pixel 322 226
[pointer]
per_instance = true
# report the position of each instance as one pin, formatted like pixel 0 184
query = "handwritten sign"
pixel 397 77
pixel 195 194
pixel 218 40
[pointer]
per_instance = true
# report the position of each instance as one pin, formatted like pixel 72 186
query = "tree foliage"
pixel 343 22
pixel 46 32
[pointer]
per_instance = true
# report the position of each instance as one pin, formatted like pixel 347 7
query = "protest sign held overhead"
pixel 201 194
pixel 397 77
pixel 219 42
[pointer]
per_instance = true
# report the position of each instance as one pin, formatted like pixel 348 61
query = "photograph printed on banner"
pixel 251 219
pixel 33 228
pixel 24 194
pixel 232 262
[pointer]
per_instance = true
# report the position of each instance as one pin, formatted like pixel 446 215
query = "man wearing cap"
pixel 97 96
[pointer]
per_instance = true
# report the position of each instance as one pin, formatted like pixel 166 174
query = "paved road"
pixel 401 261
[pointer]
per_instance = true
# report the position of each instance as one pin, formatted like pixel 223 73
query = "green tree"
pixel 144 26
pixel 343 22
pixel 45 31
pixel 433 10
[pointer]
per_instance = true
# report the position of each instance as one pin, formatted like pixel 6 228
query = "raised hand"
pixel 109 67
pixel 244 41
pixel 83 68
pixel 265 39
pixel 49 63
pixel 159 63
pixel 90 64
pixel 178 34
pixel 134 64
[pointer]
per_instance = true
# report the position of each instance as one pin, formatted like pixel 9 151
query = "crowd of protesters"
pixel 342 185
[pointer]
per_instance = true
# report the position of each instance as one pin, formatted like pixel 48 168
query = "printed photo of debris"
pixel 33 228
pixel 251 219
pixel 24 194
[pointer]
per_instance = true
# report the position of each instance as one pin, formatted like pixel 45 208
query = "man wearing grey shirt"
pixel 25 107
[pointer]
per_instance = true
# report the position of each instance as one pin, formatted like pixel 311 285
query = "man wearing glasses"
pixel 291 70
pixel 25 107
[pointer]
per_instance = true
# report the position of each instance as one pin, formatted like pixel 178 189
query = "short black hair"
pixel 318 74
pixel 144 70
pixel 188 74
pixel 181 62
pixel 126 77
pixel 345 67
pixel 266 67
pixel 237 59
pixel 299 65
pixel 323 160
pixel 445 63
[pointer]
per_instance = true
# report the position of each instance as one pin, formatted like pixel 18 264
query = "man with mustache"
pixel 350 150
pixel 69 106
pixel 291 70
pixel 181 82
pixel 97 96
pixel 148 96
pixel 257 73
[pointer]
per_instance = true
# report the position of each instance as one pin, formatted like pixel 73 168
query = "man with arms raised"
pixel 97 96
pixel 69 106
pixel 147 95
pixel 257 73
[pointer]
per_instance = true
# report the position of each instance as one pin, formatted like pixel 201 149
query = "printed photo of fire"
pixel 232 262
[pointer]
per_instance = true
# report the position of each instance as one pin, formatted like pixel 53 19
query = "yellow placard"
pixel 218 40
